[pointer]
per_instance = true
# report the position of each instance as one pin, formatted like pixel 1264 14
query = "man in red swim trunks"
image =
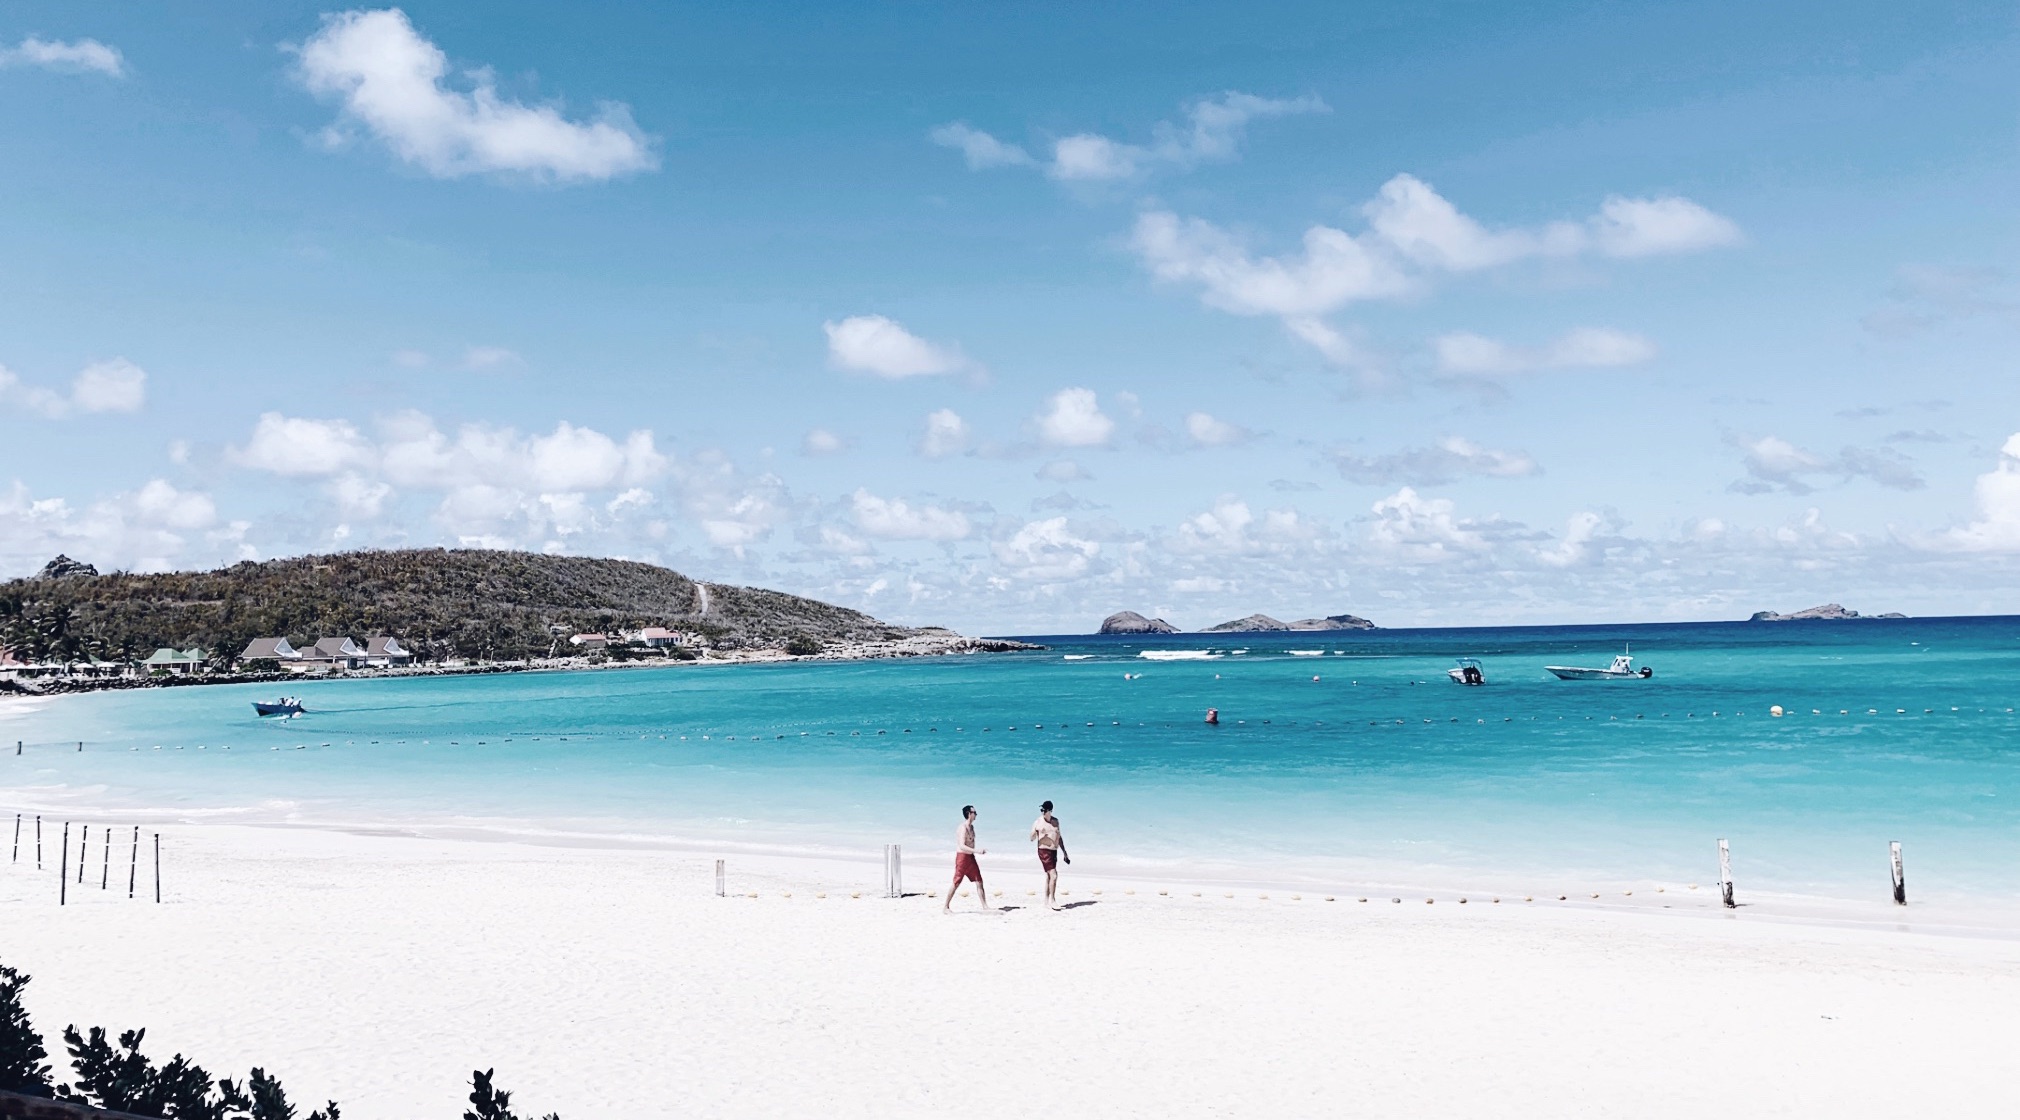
pixel 965 866
pixel 1051 849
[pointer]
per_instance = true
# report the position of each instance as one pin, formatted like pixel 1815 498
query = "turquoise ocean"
pixel 1360 763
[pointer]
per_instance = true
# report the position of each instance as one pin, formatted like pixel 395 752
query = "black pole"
pixel 63 874
pixel 83 853
pixel 105 850
pixel 157 867
pixel 17 839
pixel 133 869
pixel 38 841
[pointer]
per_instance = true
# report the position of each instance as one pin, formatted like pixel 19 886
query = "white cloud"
pixel 874 344
pixel 1334 270
pixel 75 55
pixel 1062 470
pixel 288 445
pixel 1231 528
pixel 1332 345
pixel 1997 528
pixel 1642 227
pixel 111 386
pixel 1470 354
pixel 1575 546
pixel 1413 235
pixel 1451 458
pixel 1046 552
pixel 160 504
pixel 946 434
pixel 1212 131
pixel 979 148
pixel 358 498
pixel 1423 529
pixel 1206 431
pixel 1073 418
pixel 390 81
pixel 895 519
pixel 1773 463
pixel 820 441
pixel 480 358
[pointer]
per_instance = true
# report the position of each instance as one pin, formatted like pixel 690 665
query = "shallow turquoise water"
pixel 1380 769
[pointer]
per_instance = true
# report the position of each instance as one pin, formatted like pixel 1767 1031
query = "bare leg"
pixel 982 893
pixel 948 907
pixel 1052 888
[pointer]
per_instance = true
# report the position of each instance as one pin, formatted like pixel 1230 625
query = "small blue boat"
pixel 285 706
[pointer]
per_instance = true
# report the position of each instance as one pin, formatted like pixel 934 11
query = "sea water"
pixel 1362 763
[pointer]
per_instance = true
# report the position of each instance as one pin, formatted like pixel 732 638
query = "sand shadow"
pixel 1078 905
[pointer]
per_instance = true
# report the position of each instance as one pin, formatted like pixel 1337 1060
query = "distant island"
pixel 453 607
pixel 1829 612
pixel 1129 622
pixel 1262 623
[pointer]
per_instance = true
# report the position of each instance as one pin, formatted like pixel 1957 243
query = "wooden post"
pixel 17 839
pixel 157 867
pixel 63 873
pixel 1900 879
pixel 38 841
pixel 133 868
pixel 105 849
pixel 1725 876
pixel 83 853
pixel 719 891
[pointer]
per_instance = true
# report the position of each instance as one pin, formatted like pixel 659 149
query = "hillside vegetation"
pixel 440 602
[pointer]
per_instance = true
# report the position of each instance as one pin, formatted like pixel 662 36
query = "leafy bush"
pixel 24 1065
pixel 800 645
pixel 490 1103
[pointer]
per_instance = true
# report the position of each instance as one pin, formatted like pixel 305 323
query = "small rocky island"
pixel 1129 622
pixel 1262 623
pixel 1829 612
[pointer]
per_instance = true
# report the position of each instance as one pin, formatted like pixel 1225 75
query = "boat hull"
pixel 276 709
pixel 1571 673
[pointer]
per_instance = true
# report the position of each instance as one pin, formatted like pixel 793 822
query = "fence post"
pixel 157 867
pixel 105 850
pixel 894 871
pixel 133 868
pixel 63 872
pixel 1900 879
pixel 83 853
pixel 1725 876
pixel 719 889
pixel 38 841
pixel 17 839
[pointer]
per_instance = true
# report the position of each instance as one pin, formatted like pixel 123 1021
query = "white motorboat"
pixel 1467 671
pixel 1307 653
pixel 1078 656
pixel 1622 669
pixel 1178 655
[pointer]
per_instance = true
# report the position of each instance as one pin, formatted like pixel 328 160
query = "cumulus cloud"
pixel 894 519
pixel 876 345
pixel 980 149
pixel 1997 528
pixel 296 446
pixel 1062 470
pixel 1413 235
pixel 111 386
pixel 820 441
pixel 76 56
pixel 1046 551
pixel 1468 354
pixel 1207 431
pixel 946 434
pixel 1448 460
pixel 1231 528
pixel 1421 529
pixel 1073 418
pixel 393 84
pixel 150 528
pixel 1773 463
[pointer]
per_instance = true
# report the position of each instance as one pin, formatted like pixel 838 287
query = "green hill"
pixel 439 602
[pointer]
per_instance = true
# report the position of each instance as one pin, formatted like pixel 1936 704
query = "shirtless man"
pixel 965 865
pixel 1051 849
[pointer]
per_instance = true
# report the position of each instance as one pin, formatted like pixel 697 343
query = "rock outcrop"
pixel 1829 612
pixel 63 567
pixel 1129 622
pixel 1262 624
pixel 1334 622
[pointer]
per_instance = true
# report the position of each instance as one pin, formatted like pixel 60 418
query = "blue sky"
pixel 1007 318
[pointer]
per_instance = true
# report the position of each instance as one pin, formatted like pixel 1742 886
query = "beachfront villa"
pixel 174 662
pixel 329 653
pixel 589 641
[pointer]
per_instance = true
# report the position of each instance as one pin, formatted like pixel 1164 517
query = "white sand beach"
pixel 380 969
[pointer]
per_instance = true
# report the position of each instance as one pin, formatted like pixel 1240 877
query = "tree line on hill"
pixel 123 1080
pixel 440 603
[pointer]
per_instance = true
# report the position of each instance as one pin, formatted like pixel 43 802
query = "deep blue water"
pixel 1380 768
